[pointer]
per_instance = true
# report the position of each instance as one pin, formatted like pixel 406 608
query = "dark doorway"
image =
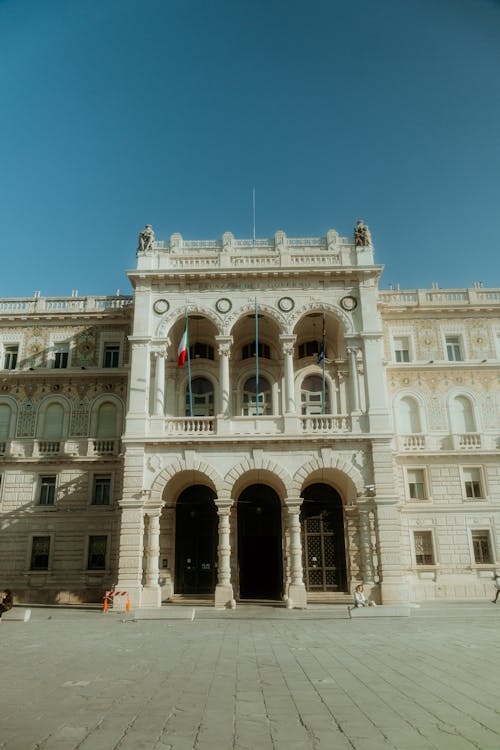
pixel 196 541
pixel 259 543
pixel 323 544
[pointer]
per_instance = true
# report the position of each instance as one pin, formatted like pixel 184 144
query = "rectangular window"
pixel 10 357
pixel 40 549
pixel 97 553
pixel 47 490
pixel 416 484
pixel 472 482
pixel 111 355
pixel 453 349
pixel 102 489
pixel 61 354
pixel 481 544
pixel 424 552
pixel 401 349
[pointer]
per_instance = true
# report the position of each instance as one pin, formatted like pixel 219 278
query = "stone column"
pixel 159 405
pixel 224 589
pixel 353 374
pixel 288 343
pixel 151 594
pixel 297 595
pixel 130 554
pixel 224 350
pixel 365 546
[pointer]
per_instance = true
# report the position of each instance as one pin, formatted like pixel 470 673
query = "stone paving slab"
pixel 252 679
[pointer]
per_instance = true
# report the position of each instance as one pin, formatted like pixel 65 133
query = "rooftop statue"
pixel 146 239
pixel 362 236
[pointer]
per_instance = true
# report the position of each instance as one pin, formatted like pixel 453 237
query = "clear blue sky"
pixel 118 113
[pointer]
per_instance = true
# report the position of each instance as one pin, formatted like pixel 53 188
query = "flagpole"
pixel 256 357
pixel 323 344
pixel 189 366
pixel 253 205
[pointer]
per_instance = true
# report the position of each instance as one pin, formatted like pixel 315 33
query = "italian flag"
pixel 182 351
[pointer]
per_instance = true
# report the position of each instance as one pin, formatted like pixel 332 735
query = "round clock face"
pixel 349 303
pixel 223 305
pixel 161 306
pixel 286 304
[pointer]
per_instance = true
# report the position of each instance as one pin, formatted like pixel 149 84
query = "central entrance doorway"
pixel 196 541
pixel 323 542
pixel 259 543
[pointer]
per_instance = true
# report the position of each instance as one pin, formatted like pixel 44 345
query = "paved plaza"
pixel 252 679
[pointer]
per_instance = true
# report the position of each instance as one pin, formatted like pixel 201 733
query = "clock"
pixel 161 306
pixel 349 303
pixel 286 304
pixel 223 305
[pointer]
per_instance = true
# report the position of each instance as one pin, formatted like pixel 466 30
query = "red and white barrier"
pixel 109 597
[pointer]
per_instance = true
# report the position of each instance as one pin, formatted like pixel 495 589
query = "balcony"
pixel 252 426
pixel 467 441
pixel 62 449
pixel 412 442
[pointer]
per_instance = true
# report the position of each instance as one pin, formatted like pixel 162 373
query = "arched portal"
pixel 323 543
pixel 259 543
pixel 196 541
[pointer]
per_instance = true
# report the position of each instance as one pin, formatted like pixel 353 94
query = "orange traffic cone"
pixel 105 607
pixel 127 605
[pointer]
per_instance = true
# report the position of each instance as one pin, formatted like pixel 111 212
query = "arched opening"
pixel 311 395
pixel 462 415
pixel 202 392
pixel 408 416
pixel 106 421
pixel 257 398
pixel 5 420
pixel 196 541
pixel 53 423
pixel 259 543
pixel 323 542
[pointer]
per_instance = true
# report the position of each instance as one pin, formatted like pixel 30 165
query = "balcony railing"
pixel 325 424
pixel 412 442
pixel 467 441
pixel 49 447
pixel 190 425
pixel 105 447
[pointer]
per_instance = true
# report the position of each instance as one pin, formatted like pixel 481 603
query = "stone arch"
pixel 169 319
pixel 313 306
pixel 249 307
pixel 324 463
pixel 165 478
pixel 262 465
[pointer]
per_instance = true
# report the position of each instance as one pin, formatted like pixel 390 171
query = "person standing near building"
pixel 497 586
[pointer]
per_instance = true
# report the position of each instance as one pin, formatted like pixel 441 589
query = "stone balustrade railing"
pixel 439 297
pixel 63 304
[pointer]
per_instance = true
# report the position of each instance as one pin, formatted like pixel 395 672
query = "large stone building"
pixel 322 432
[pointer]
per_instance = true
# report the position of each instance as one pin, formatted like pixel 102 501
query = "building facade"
pixel 321 433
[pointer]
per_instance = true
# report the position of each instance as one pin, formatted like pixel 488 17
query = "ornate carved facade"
pixel 322 432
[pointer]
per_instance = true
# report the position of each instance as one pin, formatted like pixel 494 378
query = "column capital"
pixel 224 344
pixel 159 350
pixel 224 505
pixel 293 503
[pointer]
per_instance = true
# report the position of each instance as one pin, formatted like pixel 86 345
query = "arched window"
pixel 199 350
pixel 106 421
pixel 408 416
pixel 311 395
pixel 250 397
pixel 5 420
pixel 462 415
pixel 309 349
pixel 53 422
pixel 248 350
pixel 203 397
